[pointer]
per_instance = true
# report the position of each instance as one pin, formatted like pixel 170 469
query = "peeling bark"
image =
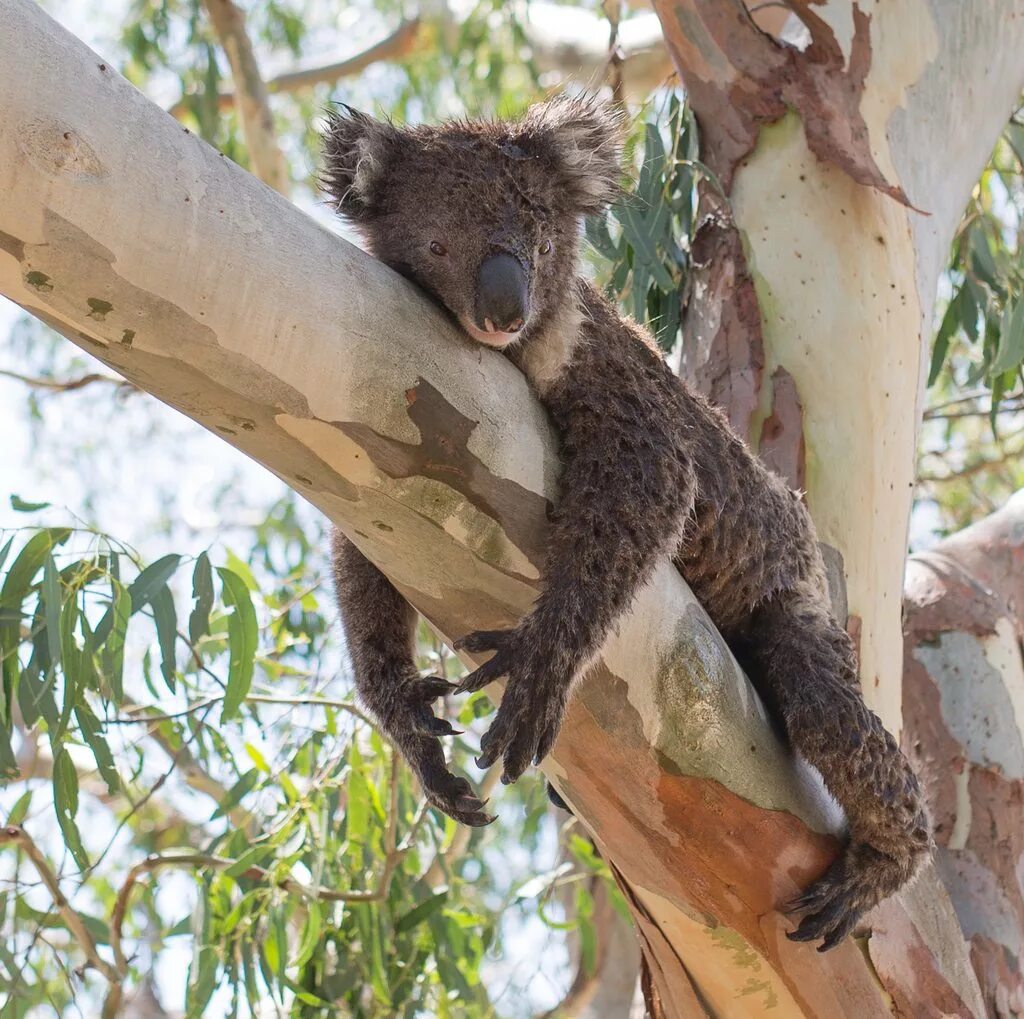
pixel 964 710
pixel 820 267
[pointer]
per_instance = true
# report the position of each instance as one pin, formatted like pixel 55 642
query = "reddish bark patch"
pixel 908 971
pixel 999 972
pixel 937 757
pixel 997 833
pixel 740 78
pixel 966 584
pixel 723 356
pixel 720 859
pixel 443 454
pixel 782 435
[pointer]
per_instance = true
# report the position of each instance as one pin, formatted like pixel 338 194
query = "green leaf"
pixel 422 912
pixel 114 624
pixel 20 810
pixel 166 619
pixel 202 982
pixel 5 551
pixel 244 785
pixel 8 762
pixel 1011 339
pixel 65 801
pixel 251 858
pixel 243 637
pixel 92 733
pixel 52 601
pixel 310 934
pixel 202 595
pixel 28 563
pixel 151 580
pixel 950 323
pixel 19 505
pixel 236 565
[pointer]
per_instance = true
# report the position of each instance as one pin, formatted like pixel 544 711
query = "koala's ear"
pixel 586 136
pixel 357 152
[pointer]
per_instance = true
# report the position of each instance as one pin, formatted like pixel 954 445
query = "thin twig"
pixel 65 385
pixel 398 44
pixel 15 835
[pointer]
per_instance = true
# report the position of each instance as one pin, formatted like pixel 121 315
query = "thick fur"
pixel 649 468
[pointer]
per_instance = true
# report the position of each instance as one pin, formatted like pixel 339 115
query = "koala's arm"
pixel 380 630
pixel 627 487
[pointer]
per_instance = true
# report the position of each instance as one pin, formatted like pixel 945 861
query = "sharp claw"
pixel 801 935
pixel 469 804
pixel 484 761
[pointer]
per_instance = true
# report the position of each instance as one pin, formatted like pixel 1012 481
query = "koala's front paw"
pixel 415 729
pixel 532 707
pixel 835 903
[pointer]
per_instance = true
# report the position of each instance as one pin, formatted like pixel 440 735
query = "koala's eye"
pixel 545 247
pixel 437 248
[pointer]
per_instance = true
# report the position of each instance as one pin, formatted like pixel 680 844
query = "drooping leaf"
pixel 151 581
pixel 202 595
pixel 65 801
pixel 243 636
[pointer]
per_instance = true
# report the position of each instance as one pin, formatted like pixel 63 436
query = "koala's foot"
pixel 532 707
pixel 415 729
pixel 860 879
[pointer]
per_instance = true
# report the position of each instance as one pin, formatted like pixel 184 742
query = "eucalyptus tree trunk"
pixel 146 248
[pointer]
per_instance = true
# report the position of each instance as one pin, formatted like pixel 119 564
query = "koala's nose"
pixel 502 295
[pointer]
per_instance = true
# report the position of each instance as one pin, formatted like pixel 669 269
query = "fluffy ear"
pixel 586 134
pixel 357 151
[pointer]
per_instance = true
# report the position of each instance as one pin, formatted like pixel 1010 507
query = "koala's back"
pixel 749 536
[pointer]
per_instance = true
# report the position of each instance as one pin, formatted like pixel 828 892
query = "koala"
pixel 485 217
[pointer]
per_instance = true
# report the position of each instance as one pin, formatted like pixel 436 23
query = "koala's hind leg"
pixel 380 628
pixel 805 666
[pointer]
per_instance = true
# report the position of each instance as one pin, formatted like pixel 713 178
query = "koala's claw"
pixel 483 640
pixel 837 901
pixel 478 643
pixel 530 714
pixel 454 796
pixel 419 694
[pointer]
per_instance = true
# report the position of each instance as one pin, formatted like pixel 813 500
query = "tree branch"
pixel 14 835
pixel 65 385
pixel 250 95
pixel 398 44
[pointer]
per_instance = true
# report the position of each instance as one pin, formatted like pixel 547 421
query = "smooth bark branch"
pixel 250 97
pixel 963 700
pixel 199 284
pixel 812 310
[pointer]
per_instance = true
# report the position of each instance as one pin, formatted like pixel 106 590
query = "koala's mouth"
pixel 489 338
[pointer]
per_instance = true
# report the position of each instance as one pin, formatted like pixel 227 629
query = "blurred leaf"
pixel 418 914
pixel 65 800
pixel 151 581
pixel 19 505
pixel 19 811
pixel 202 594
pixel 243 635
pixel 166 619
pixel 92 733
pixel 1011 340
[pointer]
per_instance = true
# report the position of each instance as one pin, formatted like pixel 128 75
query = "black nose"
pixel 502 295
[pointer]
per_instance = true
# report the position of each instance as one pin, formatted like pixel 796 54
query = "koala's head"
pixel 484 216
